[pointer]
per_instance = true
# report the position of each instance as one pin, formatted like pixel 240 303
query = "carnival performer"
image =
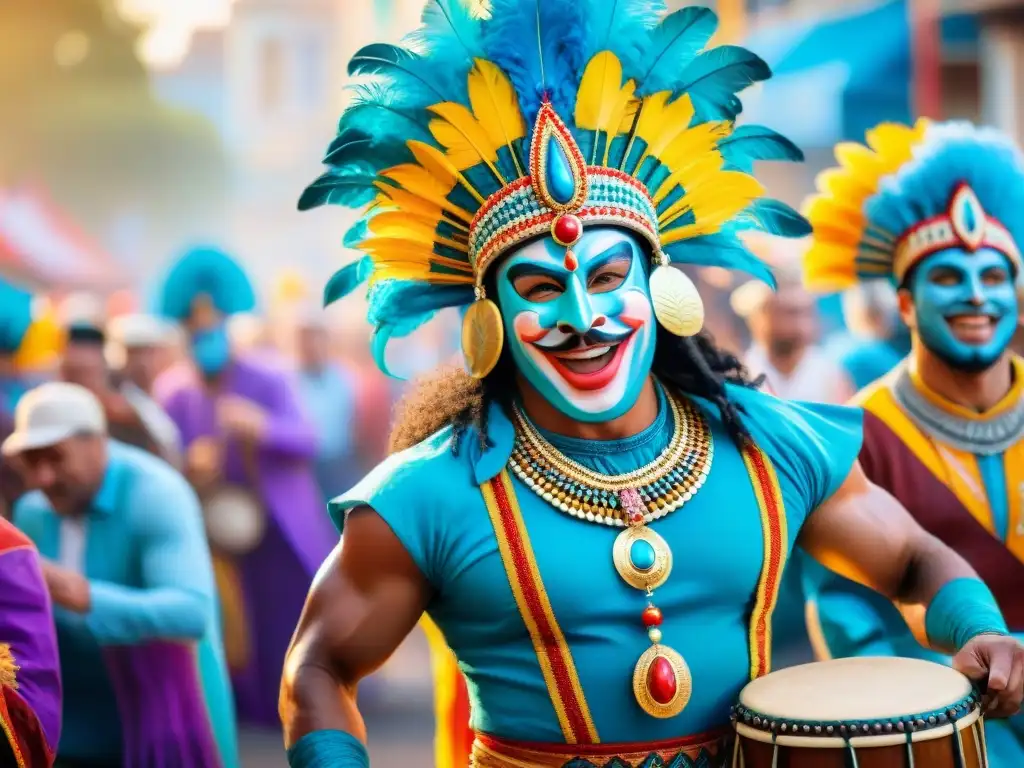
pixel 597 514
pixel 29 666
pixel 937 209
pixel 249 450
pixel 128 571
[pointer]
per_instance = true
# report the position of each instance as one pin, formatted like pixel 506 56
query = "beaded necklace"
pixel 661 679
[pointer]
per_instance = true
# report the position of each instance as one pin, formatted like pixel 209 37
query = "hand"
pixel 996 664
pixel 241 417
pixel 204 462
pixel 67 589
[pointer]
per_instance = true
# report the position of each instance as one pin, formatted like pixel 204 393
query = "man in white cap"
pixel 129 573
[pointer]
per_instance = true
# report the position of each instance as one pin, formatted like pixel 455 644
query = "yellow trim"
pixel 539 647
pixel 957 470
pixel 765 601
pixel 445 672
pixel 1013 467
pixel 8 728
pixel 1009 400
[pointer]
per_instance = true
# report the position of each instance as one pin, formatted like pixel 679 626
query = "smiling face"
pixel 964 306
pixel 579 321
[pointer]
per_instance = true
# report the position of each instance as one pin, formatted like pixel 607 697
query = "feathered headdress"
pixel 29 331
pixel 503 120
pixel 208 274
pixel 911 192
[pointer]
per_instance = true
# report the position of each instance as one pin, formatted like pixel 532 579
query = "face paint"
pixel 211 349
pixel 579 321
pixel 966 306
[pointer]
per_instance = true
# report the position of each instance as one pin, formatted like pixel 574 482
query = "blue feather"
pixel 15 316
pixel 356 233
pixel 622 26
pixel 347 279
pixel 208 271
pixel 409 75
pixel 749 143
pixel 775 217
pixel 673 46
pixel 714 78
pixel 393 300
pixel 450 40
pixel 351 187
pixel 380 112
pixel 724 250
pixel 352 147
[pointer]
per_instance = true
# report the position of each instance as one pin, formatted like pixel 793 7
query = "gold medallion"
pixel 642 557
pixel 661 682
pixel 677 303
pixel 482 337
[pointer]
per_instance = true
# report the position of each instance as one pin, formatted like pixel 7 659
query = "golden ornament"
pixel 662 683
pixel 8 668
pixel 482 337
pixel 677 303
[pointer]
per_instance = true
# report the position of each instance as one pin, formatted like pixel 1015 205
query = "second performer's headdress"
pixel 503 120
pixel 912 192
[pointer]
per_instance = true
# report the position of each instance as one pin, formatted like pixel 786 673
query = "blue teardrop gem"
pixel 641 555
pixel 560 182
pixel 970 220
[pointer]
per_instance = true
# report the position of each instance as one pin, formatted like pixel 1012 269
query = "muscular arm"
pixel 365 600
pixel 864 534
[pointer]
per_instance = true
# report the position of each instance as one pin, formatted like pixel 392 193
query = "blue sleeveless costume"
pixel 432 502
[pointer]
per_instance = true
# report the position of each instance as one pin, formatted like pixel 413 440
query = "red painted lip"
pixel 589 382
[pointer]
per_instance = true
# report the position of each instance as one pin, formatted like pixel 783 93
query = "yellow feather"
pixel 464 139
pixel 712 204
pixel 399 226
pixel 417 187
pixel 435 163
pixel 603 103
pixel 389 218
pixel 495 104
pixel 406 204
pixel 410 249
pixel 690 176
pixel 416 271
pixel 660 122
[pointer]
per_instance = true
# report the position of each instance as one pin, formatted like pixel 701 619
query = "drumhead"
pixel 856 689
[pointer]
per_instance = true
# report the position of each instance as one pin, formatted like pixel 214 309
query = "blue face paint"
pixel 966 306
pixel 211 349
pixel 579 321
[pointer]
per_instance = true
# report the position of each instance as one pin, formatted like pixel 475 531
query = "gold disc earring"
pixel 483 335
pixel 677 303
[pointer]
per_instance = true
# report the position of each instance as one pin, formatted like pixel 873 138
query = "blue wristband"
pixel 961 610
pixel 328 749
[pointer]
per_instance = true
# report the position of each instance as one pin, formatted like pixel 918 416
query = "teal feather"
pixel 205 271
pixel 410 76
pixel 776 218
pixel 352 187
pixel 347 279
pixel 749 143
pixel 724 250
pixel 623 26
pixel 356 233
pixel 672 46
pixel 715 76
pixel 450 39
pixel 352 148
pixel 394 300
pixel 377 111
pixel 15 316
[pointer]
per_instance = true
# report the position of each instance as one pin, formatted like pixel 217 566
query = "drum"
pixel 235 520
pixel 860 713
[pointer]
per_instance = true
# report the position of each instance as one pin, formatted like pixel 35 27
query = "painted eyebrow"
pixel 615 253
pixel 526 268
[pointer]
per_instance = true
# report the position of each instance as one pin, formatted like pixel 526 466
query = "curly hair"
pixel 451 397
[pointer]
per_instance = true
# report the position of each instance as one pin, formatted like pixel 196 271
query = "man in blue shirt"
pixel 128 570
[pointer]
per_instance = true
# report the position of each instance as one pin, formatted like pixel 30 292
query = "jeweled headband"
pixel 487 128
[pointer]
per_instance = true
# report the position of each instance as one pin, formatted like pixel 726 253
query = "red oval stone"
pixel 651 616
pixel 567 229
pixel 661 680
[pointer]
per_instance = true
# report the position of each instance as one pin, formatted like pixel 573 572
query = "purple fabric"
pixel 286 480
pixel 163 713
pixel 26 624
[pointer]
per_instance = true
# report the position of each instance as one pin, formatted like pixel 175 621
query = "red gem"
pixel 570 261
pixel 661 680
pixel 651 616
pixel 637 517
pixel 567 229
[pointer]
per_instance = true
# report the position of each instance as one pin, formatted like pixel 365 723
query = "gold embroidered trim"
pixel 8 667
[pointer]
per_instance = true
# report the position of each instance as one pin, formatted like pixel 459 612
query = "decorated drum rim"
pixel 917 727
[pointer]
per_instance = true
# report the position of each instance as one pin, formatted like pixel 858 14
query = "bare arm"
pixel 864 534
pixel 366 598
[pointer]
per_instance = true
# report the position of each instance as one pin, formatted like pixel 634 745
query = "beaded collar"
pixel 663 485
pixel 982 435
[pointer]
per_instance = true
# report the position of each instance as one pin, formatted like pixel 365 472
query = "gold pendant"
pixel 482 337
pixel 677 303
pixel 642 557
pixel 661 682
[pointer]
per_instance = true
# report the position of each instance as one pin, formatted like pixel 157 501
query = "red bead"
pixel 567 229
pixel 661 680
pixel 651 616
pixel 570 261
pixel 637 517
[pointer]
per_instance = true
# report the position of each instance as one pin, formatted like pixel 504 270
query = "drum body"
pixel 860 713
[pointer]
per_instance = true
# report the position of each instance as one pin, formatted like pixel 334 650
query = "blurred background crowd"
pixel 133 130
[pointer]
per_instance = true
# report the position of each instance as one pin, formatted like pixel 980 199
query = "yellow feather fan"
pixel 837 252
